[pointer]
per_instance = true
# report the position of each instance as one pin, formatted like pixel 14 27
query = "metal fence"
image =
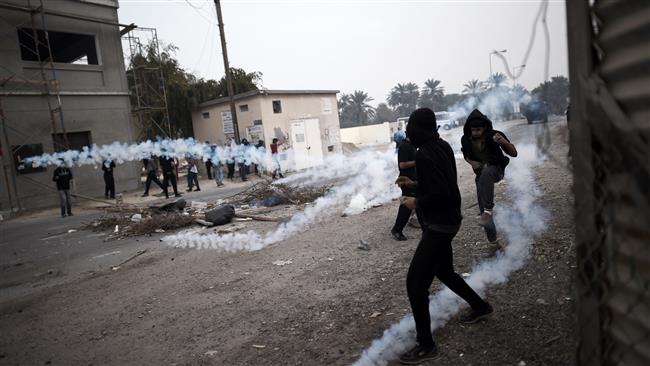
pixel 609 51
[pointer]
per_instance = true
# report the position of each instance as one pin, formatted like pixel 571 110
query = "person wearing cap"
pixel 483 148
pixel 438 202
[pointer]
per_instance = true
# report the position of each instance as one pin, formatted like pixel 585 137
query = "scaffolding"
pixel 35 30
pixel 143 63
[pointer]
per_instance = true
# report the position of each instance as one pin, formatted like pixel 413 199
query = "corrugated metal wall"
pixel 610 143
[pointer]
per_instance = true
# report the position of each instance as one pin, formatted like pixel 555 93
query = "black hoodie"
pixel 494 152
pixel 438 197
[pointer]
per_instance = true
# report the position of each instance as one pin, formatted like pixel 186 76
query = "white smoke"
pixel 520 221
pixel 176 148
pixel 362 180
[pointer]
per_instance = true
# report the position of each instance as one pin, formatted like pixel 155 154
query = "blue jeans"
pixel 64 200
pixel 485 180
pixel 218 174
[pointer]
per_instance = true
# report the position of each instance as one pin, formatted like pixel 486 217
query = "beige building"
pixel 307 120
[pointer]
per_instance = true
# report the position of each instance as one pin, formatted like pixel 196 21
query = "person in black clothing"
pixel 63 176
pixel 109 180
pixel 243 168
pixel 438 202
pixel 208 165
pixel 152 176
pixel 483 149
pixel 169 175
pixel 406 162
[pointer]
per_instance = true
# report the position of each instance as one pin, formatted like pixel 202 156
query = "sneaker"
pixel 485 218
pixel 474 315
pixel 70 214
pixel 177 195
pixel 398 236
pixel 419 354
pixel 197 190
pixel 145 195
pixel 63 216
pixel 188 190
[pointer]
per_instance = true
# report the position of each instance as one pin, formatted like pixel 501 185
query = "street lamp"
pixel 494 53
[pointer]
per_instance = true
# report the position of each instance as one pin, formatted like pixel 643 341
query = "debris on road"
pixel 283 263
pixel 136 217
pixel 363 245
pixel 259 346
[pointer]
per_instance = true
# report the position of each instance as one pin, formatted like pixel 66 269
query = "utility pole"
pixel 231 94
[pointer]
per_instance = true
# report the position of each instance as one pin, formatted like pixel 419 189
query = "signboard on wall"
pixel 255 133
pixel 226 120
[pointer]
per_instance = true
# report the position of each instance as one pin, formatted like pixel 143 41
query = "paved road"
pixel 43 250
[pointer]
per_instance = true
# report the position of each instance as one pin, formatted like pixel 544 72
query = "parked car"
pixel 446 120
pixel 536 112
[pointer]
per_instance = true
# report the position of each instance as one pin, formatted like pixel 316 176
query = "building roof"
pixel 254 93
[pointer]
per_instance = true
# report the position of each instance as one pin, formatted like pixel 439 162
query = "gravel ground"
pixel 190 307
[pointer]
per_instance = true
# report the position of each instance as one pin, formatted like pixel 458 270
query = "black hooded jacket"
pixel 494 152
pixel 438 197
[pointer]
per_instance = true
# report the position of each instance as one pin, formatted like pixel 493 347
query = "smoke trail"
pixel 520 221
pixel 365 179
pixel 177 148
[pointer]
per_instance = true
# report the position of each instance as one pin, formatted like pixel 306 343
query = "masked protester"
pixel 63 177
pixel 483 149
pixel 109 180
pixel 406 163
pixel 438 202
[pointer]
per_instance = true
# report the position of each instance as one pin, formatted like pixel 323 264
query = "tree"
pixel 361 111
pixel 473 88
pixel 555 93
pixel 404 98
pixel 497 80
pixel 184 91
pixel 384 113
pixel 433 95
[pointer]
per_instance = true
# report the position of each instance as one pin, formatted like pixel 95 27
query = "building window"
pixel 205 115
pixel 22 152
pixel 300 137
pixel 66 48
pixel 243 108
pixel 257 122
pixel 77 141
pixel 277 106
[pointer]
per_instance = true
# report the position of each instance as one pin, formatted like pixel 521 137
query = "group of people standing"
pixel 428 179
pixel 169 166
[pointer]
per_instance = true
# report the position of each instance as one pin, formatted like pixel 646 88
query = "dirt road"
pixel 189 307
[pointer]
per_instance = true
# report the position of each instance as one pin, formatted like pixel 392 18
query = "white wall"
pixel 367 135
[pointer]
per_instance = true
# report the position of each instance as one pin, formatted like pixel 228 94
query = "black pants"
pixel 109 182
pixel 485 180
pixel 404 213
pixel 151 177
pixel 243 171
pixel 231 170
pixel 169 176
pixel 208 168
pixel 434 257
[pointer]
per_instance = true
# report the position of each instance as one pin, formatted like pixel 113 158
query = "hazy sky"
pixel 350 45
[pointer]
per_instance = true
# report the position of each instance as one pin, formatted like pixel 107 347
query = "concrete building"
pixel 62 70
pixel 307 120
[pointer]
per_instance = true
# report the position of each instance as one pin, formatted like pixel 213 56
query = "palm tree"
pixel 360 110
pixel 404 98
pixel 432 95
pixel 473 87
pixel 497 80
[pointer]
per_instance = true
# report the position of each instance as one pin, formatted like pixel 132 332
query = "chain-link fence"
pixel 610 137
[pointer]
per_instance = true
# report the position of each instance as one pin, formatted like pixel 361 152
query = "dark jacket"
pixel 62 177
pixel 438 195
pixel 108 170
pixel 166 164
pixel 494 152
